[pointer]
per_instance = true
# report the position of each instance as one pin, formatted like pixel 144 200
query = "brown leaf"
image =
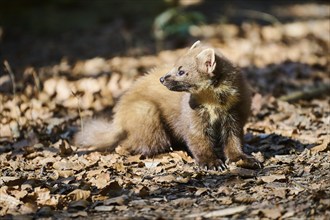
pixel 65 149
pixel 112 189
pixel 243 172
pixel 226 200
pixel 96 172
pixel 65 164
pixel 280 192
pixel 79 205
pixel 225 190
pixel 325 202
pixel 28 208
pixel 165 179
pixel 101 180
pixel 219 213
pixel 274 213
pixel 119 167
pixel 19 193
pixel 5 131
pixel 142 191
pixel 183 202
pixel 134 158
pixel 121 208
pixel 322 147
pixel 288 214
pixel 45 198
pixel 45 211
pixel 120 200
pixel 244 199
pixel 151 164
pixel 257 102
pixel 104 208
pixel 200 191
pixel 182 155
pixel 272 178
pixel 63 173
pixel 7 200
pixel 79 194
pixel 77 214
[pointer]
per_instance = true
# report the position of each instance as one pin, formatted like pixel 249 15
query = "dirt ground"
pixel 50 84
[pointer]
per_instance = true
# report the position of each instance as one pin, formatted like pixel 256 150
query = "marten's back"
pixel 148 91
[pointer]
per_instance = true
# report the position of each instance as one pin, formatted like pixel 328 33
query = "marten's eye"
pixel 181 72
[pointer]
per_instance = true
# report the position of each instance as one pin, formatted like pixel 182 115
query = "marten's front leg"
pixel 205 157
pixel 234 153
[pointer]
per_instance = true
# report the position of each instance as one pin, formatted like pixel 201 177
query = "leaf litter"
pixel 43 174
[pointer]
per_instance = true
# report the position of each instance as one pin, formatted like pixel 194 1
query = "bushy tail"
pixel 99 134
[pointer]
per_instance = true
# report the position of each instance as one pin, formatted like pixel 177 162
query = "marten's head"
pixel 193 71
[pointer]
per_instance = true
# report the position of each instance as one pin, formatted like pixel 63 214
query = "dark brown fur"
pixel 206 109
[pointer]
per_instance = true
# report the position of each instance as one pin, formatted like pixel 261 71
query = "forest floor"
pixel 42 174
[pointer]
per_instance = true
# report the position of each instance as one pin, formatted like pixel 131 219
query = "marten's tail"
pixel 99 134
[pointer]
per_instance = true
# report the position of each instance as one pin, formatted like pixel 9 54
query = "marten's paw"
pixel 212 164
pixel 248 162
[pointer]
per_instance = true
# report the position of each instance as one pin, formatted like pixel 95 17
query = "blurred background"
pixel 56 52
pixel 44 32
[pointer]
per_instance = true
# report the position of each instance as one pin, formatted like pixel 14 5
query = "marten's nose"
pixel 162 79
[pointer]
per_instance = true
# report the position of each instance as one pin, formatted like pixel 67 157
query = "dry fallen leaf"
pixel 273 213
pixel 120 200
pixel 79 194
pixel 78 205
pixel 200 191
pixel 322 147
pixel 45 198
pixel 142 191
pixel 244 199
pixel 165 179
pixel 243 172
pixel 219 213
pixel 183 202
pixel 112 189
pixel 182 156
pixel 8 202
pixel 272 178
pixel 101 180
pixel 103 208
pixel 151 164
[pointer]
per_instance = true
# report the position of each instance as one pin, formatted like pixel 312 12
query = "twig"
pixel 12 78
pixel 307 94
pixel 76 95
pixel 257 14
pixel 11 75
pixel 36 80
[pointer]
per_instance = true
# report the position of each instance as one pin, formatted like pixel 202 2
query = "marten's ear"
pixel 206 58
pixel 196 44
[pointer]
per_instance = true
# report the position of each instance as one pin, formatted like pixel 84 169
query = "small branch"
pixel 17 110
pixel 257 15
pixel 11 75
pixel 77 96
pixel 307 94
pixel 36 80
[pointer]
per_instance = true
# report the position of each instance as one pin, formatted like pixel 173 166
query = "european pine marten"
pixel 203 101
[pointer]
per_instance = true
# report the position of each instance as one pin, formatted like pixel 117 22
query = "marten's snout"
pixel 163 78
